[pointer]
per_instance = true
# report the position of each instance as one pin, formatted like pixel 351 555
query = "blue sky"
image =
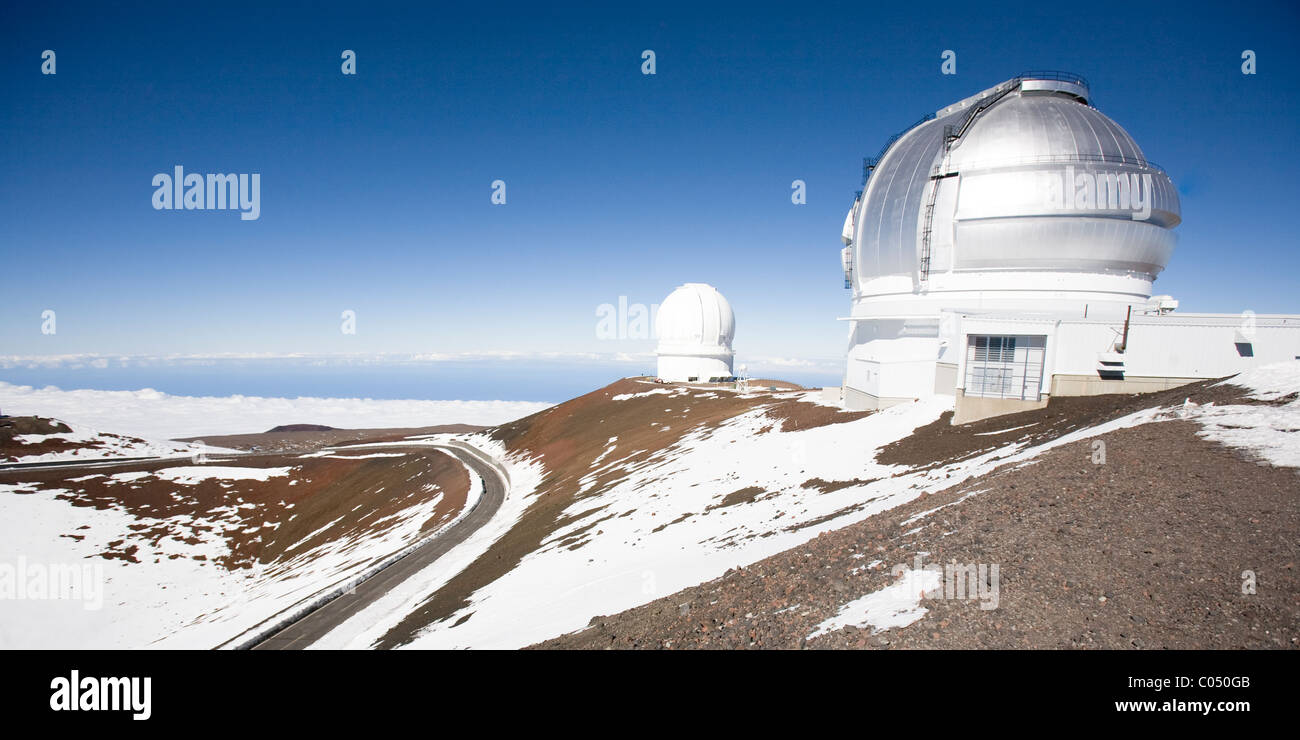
pixel 375 188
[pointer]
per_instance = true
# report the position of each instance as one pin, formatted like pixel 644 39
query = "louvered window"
pixel 1004 366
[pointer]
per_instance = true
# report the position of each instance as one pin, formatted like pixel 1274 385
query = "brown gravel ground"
pixel 1144 551
pixel 321 500
pixel 568 438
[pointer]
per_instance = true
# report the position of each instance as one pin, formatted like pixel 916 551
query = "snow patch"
pixel 192 474
pixel 893 606
pixel 654 392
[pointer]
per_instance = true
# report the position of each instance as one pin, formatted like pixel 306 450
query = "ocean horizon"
pixel 508 380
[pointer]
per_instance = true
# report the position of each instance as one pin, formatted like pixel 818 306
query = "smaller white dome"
pixel 695 326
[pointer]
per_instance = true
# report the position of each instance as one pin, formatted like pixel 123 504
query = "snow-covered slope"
pixel 196 555
pixel 59 441
pixel 1268 430
pixel 617 520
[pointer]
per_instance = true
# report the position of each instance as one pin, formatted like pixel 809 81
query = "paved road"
pixel 316 624
pixel 82 463
pixel 112 462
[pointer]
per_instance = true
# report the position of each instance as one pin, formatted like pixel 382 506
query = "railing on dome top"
pixel 869 163
pixel 1054 75
pixel 954 131
pixel 1074 158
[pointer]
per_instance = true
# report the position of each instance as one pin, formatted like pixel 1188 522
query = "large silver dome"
pixel 1024 176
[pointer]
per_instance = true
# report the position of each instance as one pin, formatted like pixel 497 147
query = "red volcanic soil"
pixel 568 438
pixel 320 500
pixel 13 449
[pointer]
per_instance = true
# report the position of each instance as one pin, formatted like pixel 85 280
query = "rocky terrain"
pixel 1144 537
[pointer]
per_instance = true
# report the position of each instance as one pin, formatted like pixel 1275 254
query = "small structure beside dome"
pixel 695 326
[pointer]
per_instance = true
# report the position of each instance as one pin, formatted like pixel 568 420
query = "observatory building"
pixel 1002 251
pixel 695 326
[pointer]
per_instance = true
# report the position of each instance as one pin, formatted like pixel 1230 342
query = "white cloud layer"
pixel 104 361
pixel 152 414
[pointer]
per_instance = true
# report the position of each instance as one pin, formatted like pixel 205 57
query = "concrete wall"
pixel 1091 385
pixel 974 408
pixel 856 400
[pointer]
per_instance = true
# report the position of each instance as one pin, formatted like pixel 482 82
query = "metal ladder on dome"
pixel 927 226
pixel 951 133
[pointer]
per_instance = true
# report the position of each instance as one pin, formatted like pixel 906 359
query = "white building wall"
pixel 681 369
pixel 893 359
pixel 1193 346
pixel 1170 346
